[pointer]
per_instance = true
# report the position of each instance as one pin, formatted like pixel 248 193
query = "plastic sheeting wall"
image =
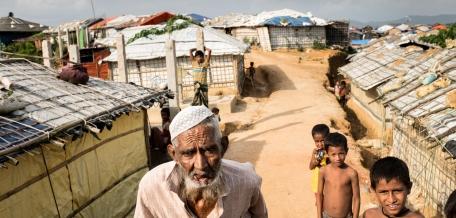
pixel 265 42
pixel 151 73
pixel 243 33
pixel 95 178
pixel 296 37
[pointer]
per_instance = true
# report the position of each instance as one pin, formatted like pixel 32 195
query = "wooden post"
pixel 200 46
pixel 59 42
pixel 200 39
pixel 68 38
pixel 77 37
pixel 87 37
pixel 121 59
pixel 171 69
pixel 73 51
pixel 47 53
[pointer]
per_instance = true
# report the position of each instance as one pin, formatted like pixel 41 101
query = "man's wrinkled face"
pixel 392 196
pixel 199 155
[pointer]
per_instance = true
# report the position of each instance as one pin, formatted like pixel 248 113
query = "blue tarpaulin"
pixel 360 41
pixel 288 21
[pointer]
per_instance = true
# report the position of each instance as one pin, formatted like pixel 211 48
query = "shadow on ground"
pixel 357 130
pixel 268 79
pixel 246 149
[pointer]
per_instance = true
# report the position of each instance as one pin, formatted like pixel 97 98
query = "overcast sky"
pixel 52 12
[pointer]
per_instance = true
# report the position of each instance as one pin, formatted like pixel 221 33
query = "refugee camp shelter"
pixel 146 63
pixel 72 150
pixel 75 32
pixel 406 89
pixel 337 33
pixel 111 26
pixel 240 26
pixel 284 28
pixel 424 121
pixel 382 60
pixel 12 28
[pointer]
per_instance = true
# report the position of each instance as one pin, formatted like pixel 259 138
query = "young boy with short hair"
pixel 338 187
pixel 318 159
pixel 390 180
pixel 200 65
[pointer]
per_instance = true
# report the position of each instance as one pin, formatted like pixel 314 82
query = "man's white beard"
pixel 192 191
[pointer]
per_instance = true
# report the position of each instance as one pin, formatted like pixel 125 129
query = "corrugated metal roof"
pixel 431 110
pixel 399 72
pixel 14 24
pixel 380 63
pixel 153 46
pixel 53 105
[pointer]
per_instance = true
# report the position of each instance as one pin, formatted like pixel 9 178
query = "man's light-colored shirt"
pixel 241 195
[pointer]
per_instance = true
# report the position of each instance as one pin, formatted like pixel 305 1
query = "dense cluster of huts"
pixel 361 36
pixel 403 90
pixel 229 37
pixel 284 28
pixel 70 150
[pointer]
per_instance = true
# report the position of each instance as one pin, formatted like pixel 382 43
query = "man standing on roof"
pixel 198 182
pixel 200 64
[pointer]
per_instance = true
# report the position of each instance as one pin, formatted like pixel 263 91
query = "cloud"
pixel 53 12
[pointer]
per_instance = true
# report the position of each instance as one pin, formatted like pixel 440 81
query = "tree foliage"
pixel 177 22
pixel 441 37
pixel 25 48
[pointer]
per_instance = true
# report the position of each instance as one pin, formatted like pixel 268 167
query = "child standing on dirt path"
pixel 390 180
pixel 319 157
pixel 341 92
pixel 338 186
pixel 251 73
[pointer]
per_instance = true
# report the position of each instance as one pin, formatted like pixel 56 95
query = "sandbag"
pixel 393 86
pixel 425 90
pixel 76 74
pixel 451 99
pixel 10 103
pixel 442 82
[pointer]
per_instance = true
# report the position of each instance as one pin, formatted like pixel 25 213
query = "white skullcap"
pixel 187 119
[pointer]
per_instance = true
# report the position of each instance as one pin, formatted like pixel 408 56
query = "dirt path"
pixel 278 141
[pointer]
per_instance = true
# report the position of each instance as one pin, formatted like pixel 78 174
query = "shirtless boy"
pixel 390 180
pixel 338 187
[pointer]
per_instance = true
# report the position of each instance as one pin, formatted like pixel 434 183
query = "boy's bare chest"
pixel 337 178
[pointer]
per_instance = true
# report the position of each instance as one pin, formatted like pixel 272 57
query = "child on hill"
pixel 390 180
pixel 338 187
pixel 318 159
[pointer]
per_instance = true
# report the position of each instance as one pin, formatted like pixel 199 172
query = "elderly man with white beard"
pixel 198 182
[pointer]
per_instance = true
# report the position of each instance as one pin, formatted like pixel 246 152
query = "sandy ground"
pixel 274 132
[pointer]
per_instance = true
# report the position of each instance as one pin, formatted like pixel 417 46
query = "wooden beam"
pixel 73 51
pixel 47 53
pixel 59 42
pixel 171 69
pixel 121 59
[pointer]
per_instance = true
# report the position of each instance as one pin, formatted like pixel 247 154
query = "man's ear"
pixel 409 189
pixel 172 151
pixel 224 142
